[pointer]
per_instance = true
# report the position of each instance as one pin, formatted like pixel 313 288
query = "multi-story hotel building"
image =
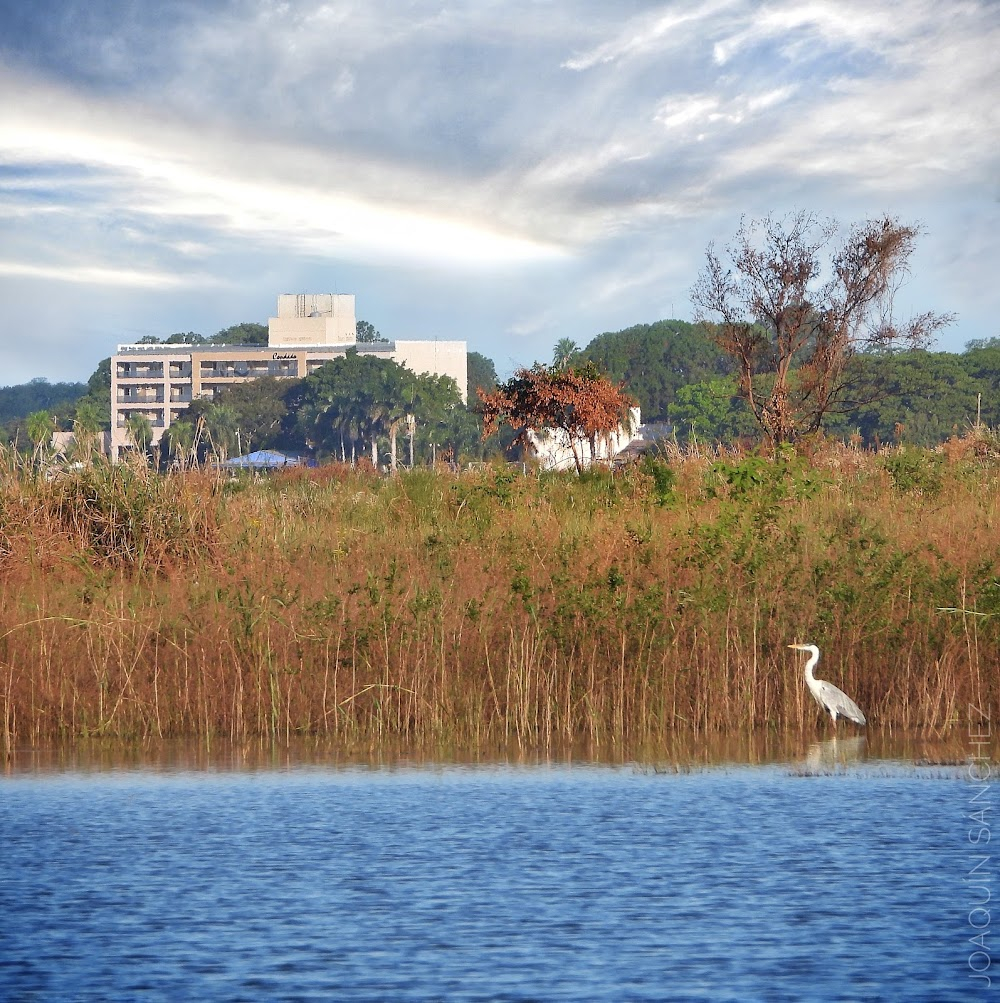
pixel 160 381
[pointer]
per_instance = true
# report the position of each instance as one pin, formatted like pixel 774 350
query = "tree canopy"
pixel 348 404
pixel 39 395
pixel 655 360
pixel 367 333
pixel 481 373
pixel 581 402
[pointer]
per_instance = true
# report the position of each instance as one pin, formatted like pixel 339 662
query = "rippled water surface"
pixel 779 882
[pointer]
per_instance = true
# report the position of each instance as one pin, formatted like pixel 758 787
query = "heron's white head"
pixel 811 648
pixel 811 660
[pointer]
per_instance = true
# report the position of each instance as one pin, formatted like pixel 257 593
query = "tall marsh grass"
pixel 495 608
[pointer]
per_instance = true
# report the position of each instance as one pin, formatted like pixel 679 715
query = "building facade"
pixel 556 449
pixel 161 381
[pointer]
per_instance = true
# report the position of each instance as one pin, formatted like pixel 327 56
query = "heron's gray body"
pixel 833 700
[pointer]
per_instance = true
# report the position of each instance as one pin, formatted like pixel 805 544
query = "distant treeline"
pixel 675 371
pixel 679 375
pixel 39 395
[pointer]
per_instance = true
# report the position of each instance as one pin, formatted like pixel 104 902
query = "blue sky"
pixel 509 173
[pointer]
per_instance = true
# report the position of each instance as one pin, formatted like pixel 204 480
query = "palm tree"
pixel 564 353
pixel 87 427
pixel 392 408
pixel 355 399
pixel 40 425
pixel 141 430
pixel 180 442
pixel 222 427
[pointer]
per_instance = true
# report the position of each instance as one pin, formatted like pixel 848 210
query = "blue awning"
pixel 262 459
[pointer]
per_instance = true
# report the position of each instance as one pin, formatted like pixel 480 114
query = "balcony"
pixel 140 395
pixel 140 370
pixel 155 417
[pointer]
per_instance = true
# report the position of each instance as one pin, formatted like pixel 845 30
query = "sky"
pixel 505 172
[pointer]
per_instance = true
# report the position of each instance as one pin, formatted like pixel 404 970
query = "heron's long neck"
pixel 810 665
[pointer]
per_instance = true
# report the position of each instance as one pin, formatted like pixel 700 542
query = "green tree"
pixel 441 420
pixel 348 405
pixel 712 410
pixel 388 405
pixel 222 431
pixel 981 360
pixel 89 416
pixel 88 423
pixel 140 428
pixel 350 401
pixel 247 333
pixel 367 333
pixel 655 360
pixel 95 404
pixel 481 374
pixel 565 354
pixel 260 410
pixel 180 442
pixel 100 379
pixel 927 397
pixel 40 425
pixel 39 395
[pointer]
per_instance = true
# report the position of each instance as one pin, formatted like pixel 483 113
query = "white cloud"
pixel 651 33
pixel 581 165
pixel 97 275
pixel 534 324
pixel 688 110
pixel 237 185
pixel 805 28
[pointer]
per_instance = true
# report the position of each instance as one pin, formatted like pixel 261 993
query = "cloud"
pixel 239 186
pixel 534 324
pixel 803 28
pixel 96 275
pixel 553 168
pixel 652 33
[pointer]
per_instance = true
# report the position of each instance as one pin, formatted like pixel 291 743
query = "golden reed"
pixel 493 607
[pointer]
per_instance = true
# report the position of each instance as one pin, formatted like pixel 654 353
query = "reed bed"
pixel 493 609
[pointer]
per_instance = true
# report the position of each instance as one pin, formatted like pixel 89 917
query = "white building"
pixel 160 381
pixel 554 447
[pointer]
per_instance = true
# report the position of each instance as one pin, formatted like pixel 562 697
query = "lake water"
pixel 824 878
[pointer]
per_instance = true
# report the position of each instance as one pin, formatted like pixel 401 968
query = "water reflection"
pixel 836 752
pixel 673 751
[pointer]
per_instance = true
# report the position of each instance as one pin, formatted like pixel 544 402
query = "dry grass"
pixel 492 609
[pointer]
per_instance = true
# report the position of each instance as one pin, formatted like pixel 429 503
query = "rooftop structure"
pixel 313 319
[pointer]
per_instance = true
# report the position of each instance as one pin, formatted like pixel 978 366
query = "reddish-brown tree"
pixel 580 401
pixel 795 326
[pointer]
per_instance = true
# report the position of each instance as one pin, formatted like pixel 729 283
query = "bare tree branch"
pixel 777 316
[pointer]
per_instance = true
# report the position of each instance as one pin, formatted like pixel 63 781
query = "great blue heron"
pixel 831 699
